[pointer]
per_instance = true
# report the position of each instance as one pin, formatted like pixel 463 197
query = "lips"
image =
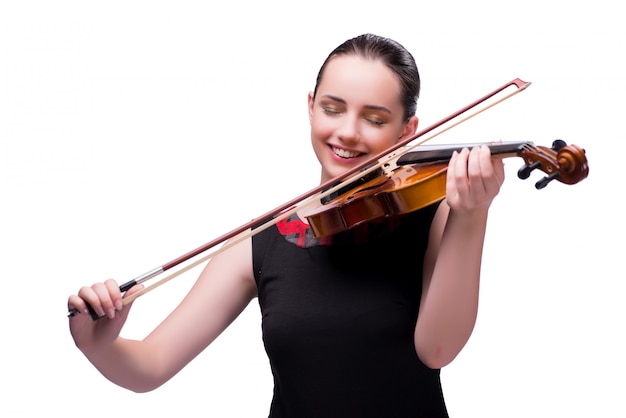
pixel 345 153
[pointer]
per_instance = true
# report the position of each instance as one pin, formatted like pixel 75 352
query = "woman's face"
pixel 357 114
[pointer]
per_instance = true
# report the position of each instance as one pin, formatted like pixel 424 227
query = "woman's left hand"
pixel 474 179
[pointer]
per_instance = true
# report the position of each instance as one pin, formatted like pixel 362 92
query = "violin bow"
pixel 285 210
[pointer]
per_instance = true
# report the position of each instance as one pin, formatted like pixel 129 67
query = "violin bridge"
pixel 389 162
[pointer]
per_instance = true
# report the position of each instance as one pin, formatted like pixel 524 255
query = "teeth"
pixel 344 153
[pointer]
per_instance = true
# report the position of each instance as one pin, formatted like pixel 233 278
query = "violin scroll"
pixel 562 162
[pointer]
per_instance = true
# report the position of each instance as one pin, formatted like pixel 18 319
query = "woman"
pixel 347 331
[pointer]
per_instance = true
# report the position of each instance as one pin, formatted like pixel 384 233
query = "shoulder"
pixel 233 264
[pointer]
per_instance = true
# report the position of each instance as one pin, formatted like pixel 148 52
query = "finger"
pixel 76 304
pixel 460 175
pixel 451 171
pixel 98 297
pixel 498 164
pixel 104 291
pixel 136 288
pixel 114 293
pixel 91 299
pixel 492 172
pixel 128 304
pixel 477 169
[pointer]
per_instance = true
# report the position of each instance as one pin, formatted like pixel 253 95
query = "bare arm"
pixel 449 301
pixel 223 290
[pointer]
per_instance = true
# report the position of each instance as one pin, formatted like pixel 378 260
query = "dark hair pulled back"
pixel 397 58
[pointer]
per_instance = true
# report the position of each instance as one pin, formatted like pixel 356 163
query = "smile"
pixel 345 153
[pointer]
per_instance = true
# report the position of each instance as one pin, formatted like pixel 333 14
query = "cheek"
pixel 381 140
pixel 320 128
pixel 318 137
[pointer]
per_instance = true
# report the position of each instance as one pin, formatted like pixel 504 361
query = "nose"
pixel 349 131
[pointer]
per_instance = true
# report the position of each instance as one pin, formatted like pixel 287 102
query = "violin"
pixel 396 181
pixel 418 179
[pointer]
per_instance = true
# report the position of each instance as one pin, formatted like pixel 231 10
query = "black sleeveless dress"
pixel 338 320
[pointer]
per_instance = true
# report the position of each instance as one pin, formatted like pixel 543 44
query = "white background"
pixel 132 132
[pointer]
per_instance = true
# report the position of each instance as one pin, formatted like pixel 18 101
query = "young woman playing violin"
pixel 348 332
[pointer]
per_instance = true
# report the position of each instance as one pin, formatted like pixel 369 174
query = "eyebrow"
pixel 372 107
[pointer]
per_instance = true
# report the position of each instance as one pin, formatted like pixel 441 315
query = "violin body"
pixel 418 179
pixel 382 197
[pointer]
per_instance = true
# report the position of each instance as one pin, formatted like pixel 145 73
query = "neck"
pixel 442 153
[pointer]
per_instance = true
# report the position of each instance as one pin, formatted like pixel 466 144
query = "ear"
pixel 409 128
pixel 311 103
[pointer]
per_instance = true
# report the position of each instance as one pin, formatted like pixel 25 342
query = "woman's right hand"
pixel 106 301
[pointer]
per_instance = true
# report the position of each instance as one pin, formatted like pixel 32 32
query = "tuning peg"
pixel 557 144
pixel 547 179
pixel 525 170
